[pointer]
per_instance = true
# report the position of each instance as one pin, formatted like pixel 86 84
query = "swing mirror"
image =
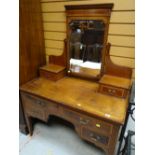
pixel 86 39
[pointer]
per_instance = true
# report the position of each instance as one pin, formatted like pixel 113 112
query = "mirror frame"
pixel 88 12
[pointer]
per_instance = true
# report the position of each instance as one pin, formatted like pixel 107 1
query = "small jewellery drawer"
pixel 94 137
pixel 84 120
pixel 112 91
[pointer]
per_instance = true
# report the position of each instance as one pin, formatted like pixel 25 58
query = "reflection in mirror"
pixel 86 44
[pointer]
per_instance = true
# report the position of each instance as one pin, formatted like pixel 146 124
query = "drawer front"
pixel 112 91
pixel 52 76
pixel 33 101
pixel 34 106
pixel 47 75
pixel 94 137
pixel 90 122
pixel 75 117
pixel 38 107
pixel 103 126
pixel 36 113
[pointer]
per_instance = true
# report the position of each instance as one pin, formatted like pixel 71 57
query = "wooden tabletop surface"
pixel 79 94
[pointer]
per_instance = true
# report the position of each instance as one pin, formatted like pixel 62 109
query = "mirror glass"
pixel 85 46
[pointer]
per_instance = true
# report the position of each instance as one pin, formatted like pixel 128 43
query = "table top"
pixel 81 95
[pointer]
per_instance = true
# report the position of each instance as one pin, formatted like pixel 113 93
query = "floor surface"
pixel 55 138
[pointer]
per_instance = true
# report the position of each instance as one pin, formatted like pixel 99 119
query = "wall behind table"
pixel 121 30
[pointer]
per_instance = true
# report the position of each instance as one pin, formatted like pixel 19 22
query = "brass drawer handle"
pixel 41 103
pixel 29 97
pixel 34 111
pixel 109 90
pixel 84 122
pixel 98 125
pixel 94 137
pixel 112 91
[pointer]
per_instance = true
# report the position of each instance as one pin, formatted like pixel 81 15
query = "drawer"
pixel 84 120
pixel 94 137
pixel 38 107
pixel 36 113
pixel 112 91
pixel 33 101
pixel 34 106
pixel 105 127
pixel 51 75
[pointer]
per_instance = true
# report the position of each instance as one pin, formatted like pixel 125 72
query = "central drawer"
pixel 87 121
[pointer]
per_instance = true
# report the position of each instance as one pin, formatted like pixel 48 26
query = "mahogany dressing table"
pixel 94 99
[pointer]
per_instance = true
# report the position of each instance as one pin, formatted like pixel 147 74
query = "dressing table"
pixel 82 86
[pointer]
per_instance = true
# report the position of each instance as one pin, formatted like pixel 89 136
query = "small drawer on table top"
pixel 88 121
pixel 94 137
pixel 52 72
pixel 119 92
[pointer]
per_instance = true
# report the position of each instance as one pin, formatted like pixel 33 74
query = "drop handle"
pixel 111 91
pixel 114 91
pixel 40 103
pixel 94 138
pixel 36 101
pixel 35 112
pixel 83 121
